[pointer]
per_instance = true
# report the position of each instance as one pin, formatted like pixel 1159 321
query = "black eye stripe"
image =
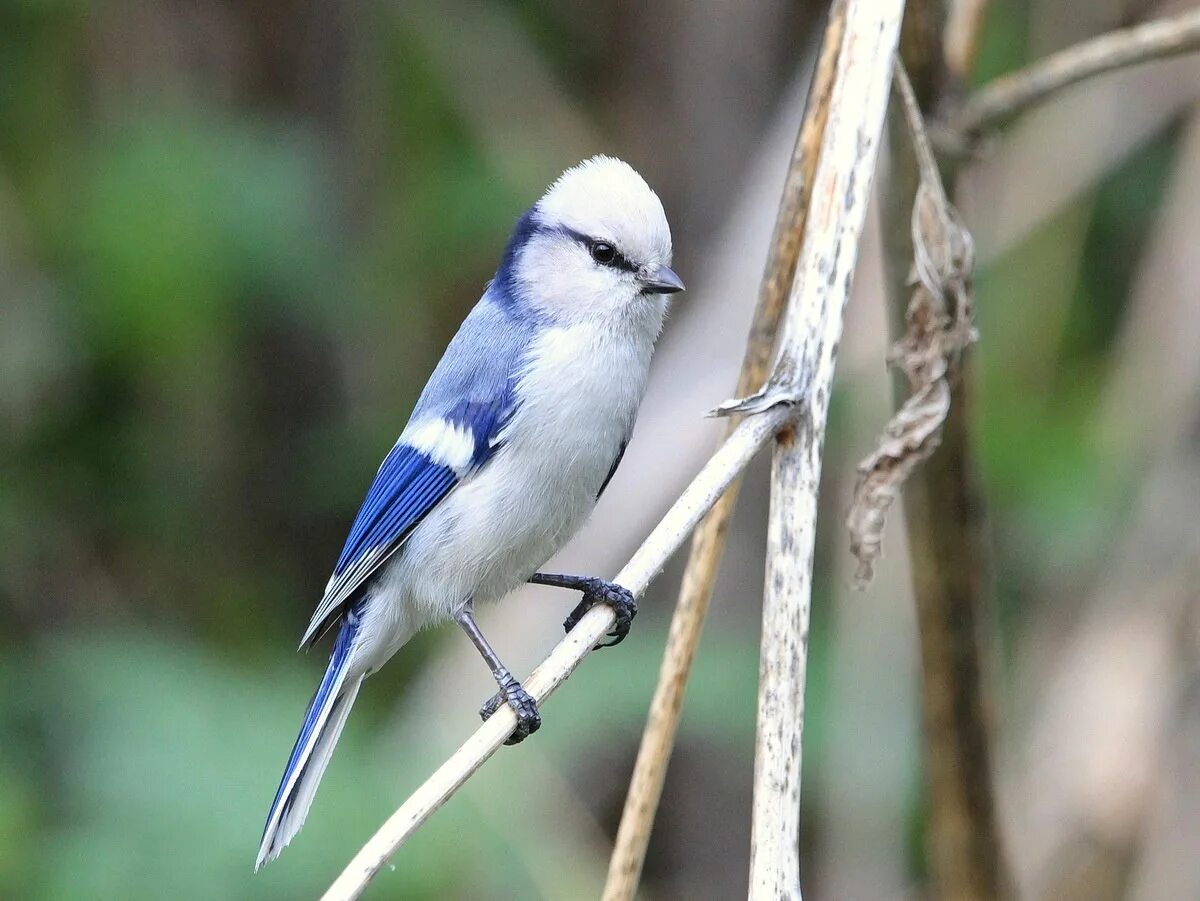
pixel 618 261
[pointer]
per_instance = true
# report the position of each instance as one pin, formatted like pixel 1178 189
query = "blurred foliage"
pixel 1054 485
pixel 139 761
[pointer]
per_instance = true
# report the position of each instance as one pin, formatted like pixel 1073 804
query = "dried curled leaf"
pixel 939 328
pixel 911 436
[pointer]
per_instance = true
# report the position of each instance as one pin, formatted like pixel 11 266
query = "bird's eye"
pixel 603 252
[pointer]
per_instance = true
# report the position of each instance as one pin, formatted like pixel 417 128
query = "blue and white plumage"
pixel 516 434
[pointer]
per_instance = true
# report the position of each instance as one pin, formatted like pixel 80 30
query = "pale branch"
pixel 708 543
pixel 729 460
pixel 1009 95
pixel 840 193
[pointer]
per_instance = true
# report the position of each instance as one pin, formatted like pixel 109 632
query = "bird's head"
pixel 596 244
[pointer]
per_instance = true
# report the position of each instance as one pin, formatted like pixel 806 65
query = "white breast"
pixel 578 398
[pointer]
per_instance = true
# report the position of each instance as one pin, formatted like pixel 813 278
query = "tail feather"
pixel 323 724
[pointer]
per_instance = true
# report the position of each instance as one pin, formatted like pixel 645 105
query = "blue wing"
pixel 408 485
pixel 473 391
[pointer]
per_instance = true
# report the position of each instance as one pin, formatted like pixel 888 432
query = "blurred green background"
pixel 234 239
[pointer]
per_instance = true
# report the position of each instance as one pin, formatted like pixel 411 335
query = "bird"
pixel 513 440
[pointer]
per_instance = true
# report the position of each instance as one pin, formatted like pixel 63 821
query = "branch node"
pixel 770 395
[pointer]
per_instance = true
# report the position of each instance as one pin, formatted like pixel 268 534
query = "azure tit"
pixel 512 442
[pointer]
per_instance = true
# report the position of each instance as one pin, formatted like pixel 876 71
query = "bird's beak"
pixel 662 281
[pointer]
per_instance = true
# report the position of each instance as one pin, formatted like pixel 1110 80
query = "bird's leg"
pixel 521 701
pixel 595 591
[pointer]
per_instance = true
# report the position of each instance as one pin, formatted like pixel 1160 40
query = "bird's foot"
pixel 529 720
pixel 624 606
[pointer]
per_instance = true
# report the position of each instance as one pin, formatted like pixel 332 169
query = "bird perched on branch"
pixel 513 440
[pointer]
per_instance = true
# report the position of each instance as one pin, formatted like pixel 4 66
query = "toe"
pixel 490 706
pixel 623 601
pixel 528 722
pixel 518 736
pixel 531 725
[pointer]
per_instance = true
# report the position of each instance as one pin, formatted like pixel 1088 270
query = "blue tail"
pixel 323 725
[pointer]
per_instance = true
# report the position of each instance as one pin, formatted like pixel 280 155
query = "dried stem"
pixel 1011 94
pixel 944 510
pixel 964 23
pixel 729 460
pixel 805 364
pixel 708 544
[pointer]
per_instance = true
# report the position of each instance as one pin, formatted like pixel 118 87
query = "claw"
pixel 621 600
pixel 529 720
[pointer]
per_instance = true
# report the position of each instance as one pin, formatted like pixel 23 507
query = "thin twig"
pixel 708 543
pixel 944 510
pixel 729 460
pixel 1011 94
pixel 808 348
